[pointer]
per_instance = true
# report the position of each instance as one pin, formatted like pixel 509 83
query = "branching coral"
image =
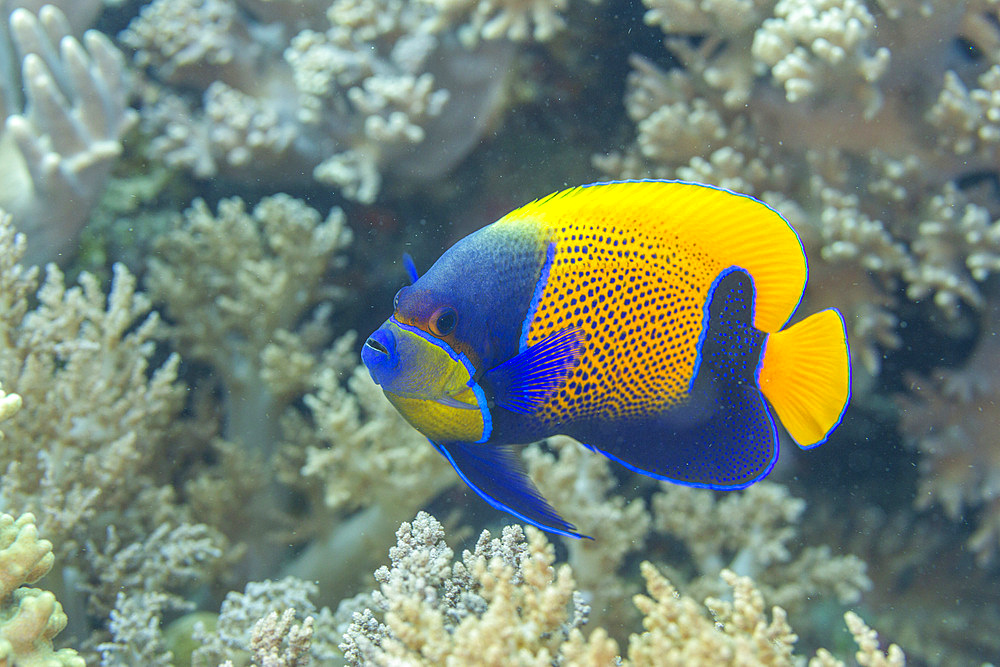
pixel 249 624
pixel 951 418
pixel 29 617
pixel 573 476
pixel 506 603
pixel 516 20
pixel 9 404
pixel 66 110
pixel 503 602
pixel 263 274
pixel 96 409
pixel 259 274
pixel 356 454
pixel 384 90
pixel 751 533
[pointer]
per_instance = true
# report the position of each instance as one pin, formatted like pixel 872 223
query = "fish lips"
pixel 380 355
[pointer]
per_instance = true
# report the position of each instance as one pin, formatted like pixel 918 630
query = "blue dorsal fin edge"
pixel 497 475
pixel 411 268
pixel 522 383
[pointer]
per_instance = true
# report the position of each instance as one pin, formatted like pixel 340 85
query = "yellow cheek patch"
pixel 440 422
pixel 434 392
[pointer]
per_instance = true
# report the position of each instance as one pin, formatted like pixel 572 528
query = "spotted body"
pixel 642 318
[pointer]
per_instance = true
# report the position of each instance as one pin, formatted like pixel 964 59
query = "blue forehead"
pixel 489 278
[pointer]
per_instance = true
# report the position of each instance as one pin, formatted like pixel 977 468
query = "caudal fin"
pixel 805 374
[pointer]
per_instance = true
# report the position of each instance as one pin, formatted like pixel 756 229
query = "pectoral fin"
pixel 496 473
pixel 523 382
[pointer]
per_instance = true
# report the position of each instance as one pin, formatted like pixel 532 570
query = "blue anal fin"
pixel 723 436
pixel 522 383
pixel 496 473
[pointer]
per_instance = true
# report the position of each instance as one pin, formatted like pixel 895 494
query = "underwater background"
pixel 206 204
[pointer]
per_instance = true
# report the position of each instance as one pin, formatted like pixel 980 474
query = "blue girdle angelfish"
pixel 644 319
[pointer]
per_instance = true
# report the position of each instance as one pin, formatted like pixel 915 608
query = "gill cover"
pixel 428 382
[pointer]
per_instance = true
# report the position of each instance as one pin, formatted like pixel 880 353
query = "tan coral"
pixel 575 477
pixel 339 92
pixel 9 404
pixel 755 532
pixel 507 603
pixel 29 617
pixel 951 419
pixel 80 358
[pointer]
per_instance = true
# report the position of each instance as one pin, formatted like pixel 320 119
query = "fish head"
pixel 424 371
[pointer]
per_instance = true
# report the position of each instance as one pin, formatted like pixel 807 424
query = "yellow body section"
pixel 435 395
pixel 440 422
pixel 632 270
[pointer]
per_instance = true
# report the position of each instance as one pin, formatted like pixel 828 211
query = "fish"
pixel 645 319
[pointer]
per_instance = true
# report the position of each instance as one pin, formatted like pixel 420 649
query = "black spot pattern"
pixel 638 294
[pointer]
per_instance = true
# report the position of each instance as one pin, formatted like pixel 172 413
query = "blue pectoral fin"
pixel 522 383
pixel 498 476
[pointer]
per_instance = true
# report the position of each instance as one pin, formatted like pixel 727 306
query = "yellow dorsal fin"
pixel 737 230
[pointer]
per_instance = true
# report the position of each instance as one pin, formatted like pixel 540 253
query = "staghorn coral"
pixel 383 90
pixel 66 110
pixel 29 617
pixel 506 603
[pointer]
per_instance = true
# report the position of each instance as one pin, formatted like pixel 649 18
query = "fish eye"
pixel 395 299
pixel 443 321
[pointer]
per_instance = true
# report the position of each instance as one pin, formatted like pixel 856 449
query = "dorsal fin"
pixel 737 230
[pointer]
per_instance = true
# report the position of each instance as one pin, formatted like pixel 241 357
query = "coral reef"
pixel 217 472
pixel 29 617
pixel 950 417
pixel 365 469
pixel 756 533
pixel 260 274
pixel 506 601
pixel 66 111
pixel 384 90
pixel 97 407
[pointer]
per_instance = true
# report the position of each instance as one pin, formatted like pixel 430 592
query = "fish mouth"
pixel 377 346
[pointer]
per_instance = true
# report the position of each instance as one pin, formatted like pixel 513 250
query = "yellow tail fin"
pixel 805 374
